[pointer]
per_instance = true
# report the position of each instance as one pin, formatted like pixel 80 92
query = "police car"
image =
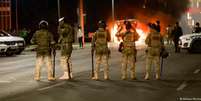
pixel 191 42
pixel 10 45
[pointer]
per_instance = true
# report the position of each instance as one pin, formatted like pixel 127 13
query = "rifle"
pixel 54 56
pixel 161 66
pixel 68 66
pixel 92 61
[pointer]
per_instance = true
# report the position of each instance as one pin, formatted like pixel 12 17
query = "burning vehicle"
pixel 140 27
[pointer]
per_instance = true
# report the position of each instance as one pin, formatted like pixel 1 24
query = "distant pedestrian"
pixel 169 30
pixel 197 28
pixel 80 36
pixel 100 41
pixel 154 44
pixel 177 32
pixel 44 41
pixel 66 39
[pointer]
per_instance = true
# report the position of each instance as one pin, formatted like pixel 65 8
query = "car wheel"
pixel 196 46
pixel 19 52
pixel 9 53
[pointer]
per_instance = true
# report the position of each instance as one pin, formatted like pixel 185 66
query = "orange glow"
pixel 141 29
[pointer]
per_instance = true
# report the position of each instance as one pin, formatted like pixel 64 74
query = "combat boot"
pixel 95 76
pixel 157 76
pixel 71 75
pixel 65 76
pixel 146 76
pixel 106 75
pixel 124 76
pixel 37 76
pixel 51 78
pixel 133 76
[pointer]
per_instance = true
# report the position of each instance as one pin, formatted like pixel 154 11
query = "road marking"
pixel 196 71
pixel 5 81
pixel 52 86
pixel 182 86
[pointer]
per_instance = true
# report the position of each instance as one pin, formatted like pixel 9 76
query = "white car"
pixel 191 42
pixel 10 45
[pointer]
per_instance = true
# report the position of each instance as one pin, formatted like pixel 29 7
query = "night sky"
pixel 32 11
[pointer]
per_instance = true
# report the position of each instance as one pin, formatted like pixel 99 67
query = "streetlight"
pixel 113 18
pixel 16 18
pixel 58 8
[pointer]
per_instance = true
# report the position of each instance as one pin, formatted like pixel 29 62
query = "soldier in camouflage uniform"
pixel 100 44
pixel 66 41
pixel 129 51
pixel 44 40
pixel 154 42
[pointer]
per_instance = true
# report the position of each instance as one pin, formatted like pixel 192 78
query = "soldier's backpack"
pixel 101 42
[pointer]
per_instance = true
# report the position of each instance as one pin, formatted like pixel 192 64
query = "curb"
pixel 75 47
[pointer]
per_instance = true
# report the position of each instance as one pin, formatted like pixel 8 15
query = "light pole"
pixel 16 18
pixel 58 8
pixel 81 11
pixel 113 18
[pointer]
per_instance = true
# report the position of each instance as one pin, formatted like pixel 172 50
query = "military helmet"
pixel 43 24
pixel 197 24
pixel 61 19
pixel 128 25
pixel 101 24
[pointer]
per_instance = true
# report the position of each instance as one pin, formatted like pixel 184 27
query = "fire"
pixel 140 28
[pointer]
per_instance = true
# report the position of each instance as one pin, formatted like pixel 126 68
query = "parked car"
pixel 10 45
pixel 191 42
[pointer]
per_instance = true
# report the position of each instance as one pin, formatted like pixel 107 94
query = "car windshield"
pixel 2 34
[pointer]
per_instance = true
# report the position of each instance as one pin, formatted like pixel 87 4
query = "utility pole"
pixel 16 18
pixel 113 18
pixel 82 21
pixel 58 8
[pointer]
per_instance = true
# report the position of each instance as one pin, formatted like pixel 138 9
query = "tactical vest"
pixel 154 44
pixel 129 43
pixel 101 42
pixel 43 41
pixel 66 33
pixel 155 40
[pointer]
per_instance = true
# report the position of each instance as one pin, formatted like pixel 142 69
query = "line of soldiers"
pixel 44 39
pixel 46 46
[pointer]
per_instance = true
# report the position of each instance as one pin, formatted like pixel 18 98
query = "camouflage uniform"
pixel 66 40
pixel 154 42
pixel 43 38
pixel 101 39
pixel 129 53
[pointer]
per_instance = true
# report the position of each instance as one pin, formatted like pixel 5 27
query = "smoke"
pixel 167 11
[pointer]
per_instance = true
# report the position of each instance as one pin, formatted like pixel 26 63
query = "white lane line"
pixel 182 86
pixel 196 71
pixel 52 86
pixel 5 81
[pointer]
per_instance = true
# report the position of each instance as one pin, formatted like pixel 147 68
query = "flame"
pixel 141 29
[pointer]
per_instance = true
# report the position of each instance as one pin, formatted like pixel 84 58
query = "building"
pixel 5 15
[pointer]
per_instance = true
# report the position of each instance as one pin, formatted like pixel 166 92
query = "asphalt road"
pixel 180 80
